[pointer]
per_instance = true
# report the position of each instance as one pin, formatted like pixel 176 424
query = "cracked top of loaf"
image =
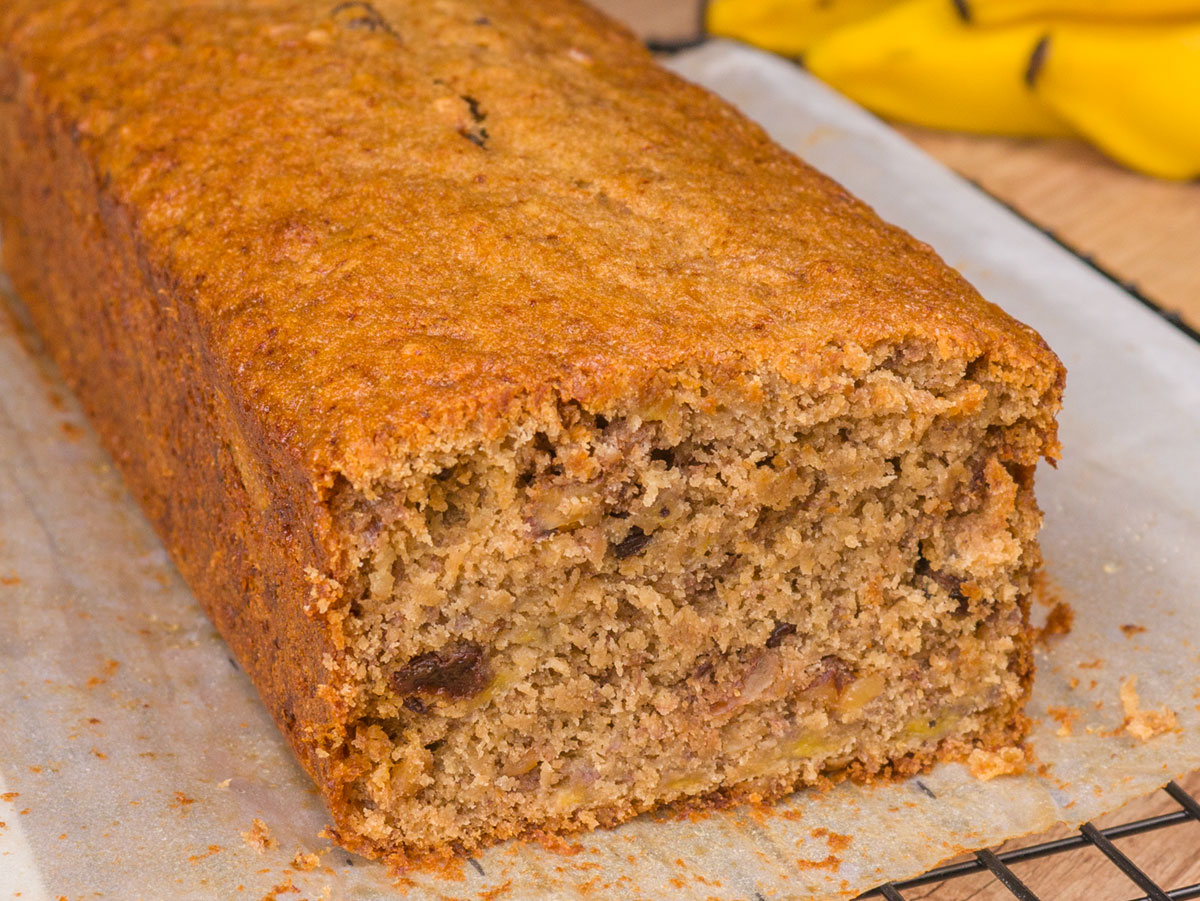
pixel 401 221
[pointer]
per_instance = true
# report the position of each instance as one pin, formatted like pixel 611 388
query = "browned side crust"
pixel 241 524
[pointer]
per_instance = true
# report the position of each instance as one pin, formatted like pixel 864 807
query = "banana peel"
pixel 1005 12
pixel 920 62
pixel 1133 92
pixel 788 27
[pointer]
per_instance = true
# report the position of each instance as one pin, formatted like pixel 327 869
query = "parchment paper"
pixel 134 753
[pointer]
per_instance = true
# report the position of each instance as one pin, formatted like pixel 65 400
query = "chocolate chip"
pixel 779 633
pixel 951 584
pixel 457 671
pixel 633 543
pixel 415 704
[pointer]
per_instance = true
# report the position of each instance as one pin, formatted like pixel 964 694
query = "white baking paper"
pixel 134 754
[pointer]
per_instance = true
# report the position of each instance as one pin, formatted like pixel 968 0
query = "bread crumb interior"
pixel 748 587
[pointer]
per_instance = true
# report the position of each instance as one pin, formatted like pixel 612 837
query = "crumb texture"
pixel 741 590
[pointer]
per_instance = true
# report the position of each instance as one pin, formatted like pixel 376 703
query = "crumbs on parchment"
pixel 259 837
pixel 1066 717
pixel 836 840
pixel 212 849
pixel 109 670
pixel 986 765
pixel 1058 622
pixel 285 887
pixel 1144 724
pixel 306 861
pixel 1132 629
pixel 181 802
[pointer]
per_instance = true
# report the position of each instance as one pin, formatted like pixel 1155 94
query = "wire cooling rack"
pixel 1088 835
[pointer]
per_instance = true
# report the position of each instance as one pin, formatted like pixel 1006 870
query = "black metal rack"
pixel 1088 835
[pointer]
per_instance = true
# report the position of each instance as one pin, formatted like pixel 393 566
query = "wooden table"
pixel 1140 230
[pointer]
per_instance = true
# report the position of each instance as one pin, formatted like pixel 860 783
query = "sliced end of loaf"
pixel 738 587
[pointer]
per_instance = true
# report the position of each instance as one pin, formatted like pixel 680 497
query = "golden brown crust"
pixel 365 274
pixel 278 245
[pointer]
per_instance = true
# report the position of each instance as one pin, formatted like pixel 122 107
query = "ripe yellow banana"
pixel 920 62
pixel 1134 92
pixel 1003 12
pixel 786 26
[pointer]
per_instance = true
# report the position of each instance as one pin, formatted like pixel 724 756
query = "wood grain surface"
pixel 1141 230
pixel 1170 856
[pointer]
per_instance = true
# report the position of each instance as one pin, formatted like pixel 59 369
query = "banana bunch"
pixel 1124 74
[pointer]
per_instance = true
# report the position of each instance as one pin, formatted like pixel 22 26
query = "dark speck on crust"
pixel 479 139
pixel 357 14
pixel 477 114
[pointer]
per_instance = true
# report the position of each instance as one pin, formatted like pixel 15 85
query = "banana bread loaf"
pixel 546 442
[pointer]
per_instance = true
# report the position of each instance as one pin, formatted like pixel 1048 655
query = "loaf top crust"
pixel 401 221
